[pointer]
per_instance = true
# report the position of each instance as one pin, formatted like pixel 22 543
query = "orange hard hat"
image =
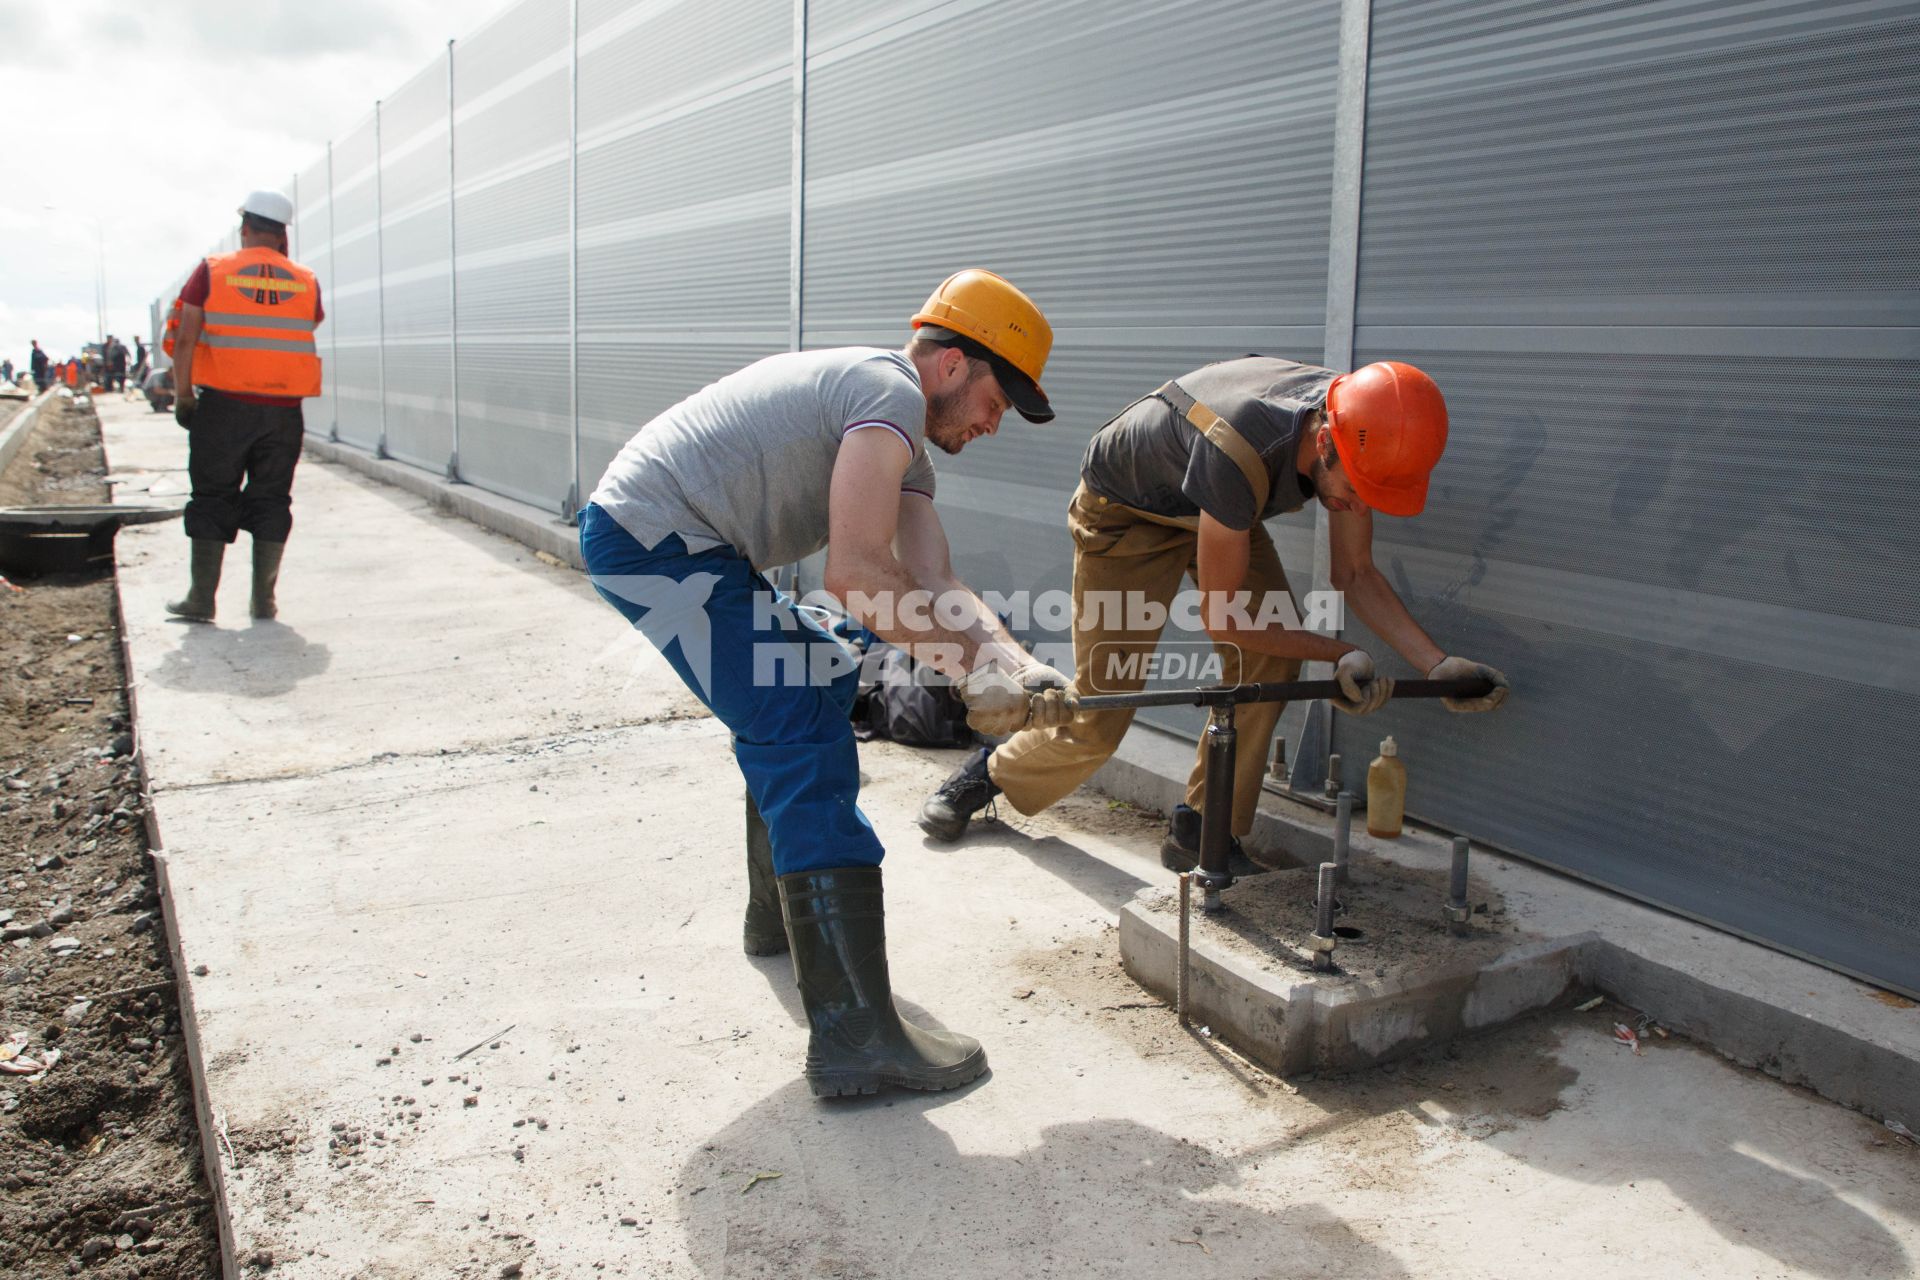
pixel 1390 427
pixel 988 311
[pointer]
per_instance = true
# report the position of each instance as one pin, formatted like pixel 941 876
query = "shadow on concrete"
pixel 262 660
pixel 1093 877
pixel 877 1188
pixel 1501 1087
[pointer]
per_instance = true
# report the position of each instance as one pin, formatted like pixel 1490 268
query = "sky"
pixel 144 127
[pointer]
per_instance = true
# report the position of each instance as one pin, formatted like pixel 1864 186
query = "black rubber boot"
pixel 836 920
pixel 266 574
pixel 765 932
pixel 208 553
pixel 947 811
pixel 1180 851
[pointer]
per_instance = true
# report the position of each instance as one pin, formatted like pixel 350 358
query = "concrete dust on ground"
pixel 99 1157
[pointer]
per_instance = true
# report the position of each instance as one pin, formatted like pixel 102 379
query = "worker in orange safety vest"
pixel 242 340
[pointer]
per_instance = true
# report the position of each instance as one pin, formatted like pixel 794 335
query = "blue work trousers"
pixel 766 670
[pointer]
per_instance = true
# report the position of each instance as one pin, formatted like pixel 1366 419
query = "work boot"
pixel 1180 851
pixel 945 814
pixel 836 920
pixel 765 933
pixel 266 574
pixel 205 570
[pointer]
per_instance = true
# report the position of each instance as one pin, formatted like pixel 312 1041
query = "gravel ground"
pixel 99 1154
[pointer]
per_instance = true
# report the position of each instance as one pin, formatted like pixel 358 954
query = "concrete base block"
pixel 1402 986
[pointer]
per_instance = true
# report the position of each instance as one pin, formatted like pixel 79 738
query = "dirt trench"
pixel 100 1171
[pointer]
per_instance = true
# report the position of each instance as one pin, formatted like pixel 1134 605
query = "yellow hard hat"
pixel 982 309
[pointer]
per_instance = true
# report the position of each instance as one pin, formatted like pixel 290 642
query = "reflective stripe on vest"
pixel 241 343
pixel 259 317
pixel 240 319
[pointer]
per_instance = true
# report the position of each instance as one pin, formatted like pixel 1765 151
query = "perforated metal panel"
pixel 511 120
pixel 1165 200
pixel 1667 273
pixel 312 241
pixel 353 305
pixel 685 195
pixel 415 248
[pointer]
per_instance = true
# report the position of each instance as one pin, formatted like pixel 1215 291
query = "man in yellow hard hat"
pixel 1178 485
pixel 799 452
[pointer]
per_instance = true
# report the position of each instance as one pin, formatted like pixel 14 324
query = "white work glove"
pixel 1464 668
pixel 1363 692
pixel 1031 696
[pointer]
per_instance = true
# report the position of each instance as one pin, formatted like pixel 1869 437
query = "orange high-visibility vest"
pixel 261 312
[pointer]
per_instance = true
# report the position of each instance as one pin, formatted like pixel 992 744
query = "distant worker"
pixel 138 374
pixel 6 371
pixel 40 362
pixel 753 472
pixel 241 338
pixel 116 357
pixel 1179 484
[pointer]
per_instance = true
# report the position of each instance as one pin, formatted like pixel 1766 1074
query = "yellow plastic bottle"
pixel 1386 792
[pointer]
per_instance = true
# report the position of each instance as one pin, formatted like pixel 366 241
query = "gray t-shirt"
pixel 746 462
pixel 1152 459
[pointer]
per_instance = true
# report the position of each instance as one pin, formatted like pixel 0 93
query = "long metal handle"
pixel 1275 691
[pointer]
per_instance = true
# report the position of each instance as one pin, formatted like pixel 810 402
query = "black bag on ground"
pixel 895 706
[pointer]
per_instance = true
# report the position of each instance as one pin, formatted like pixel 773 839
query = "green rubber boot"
pixel 836 921
pixel 765 932
pixel 208 553
pixel 266 575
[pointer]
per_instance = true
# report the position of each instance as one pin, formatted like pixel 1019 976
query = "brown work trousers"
pixel 1117 549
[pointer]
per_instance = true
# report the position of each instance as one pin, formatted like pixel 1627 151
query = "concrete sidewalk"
pixel 448 802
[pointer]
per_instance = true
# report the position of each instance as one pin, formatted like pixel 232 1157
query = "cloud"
pixel 150 124
pixel 289 31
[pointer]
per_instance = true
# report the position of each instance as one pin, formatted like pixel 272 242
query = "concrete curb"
pixel 1796 1021
pixel 521 521
pixel 1799 1048
pixel 211 1160
pixel 14 437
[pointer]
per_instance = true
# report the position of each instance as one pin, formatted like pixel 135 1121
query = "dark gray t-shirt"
pixel 1152 459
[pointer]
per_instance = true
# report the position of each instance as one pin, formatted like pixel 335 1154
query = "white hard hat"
pixel 270 205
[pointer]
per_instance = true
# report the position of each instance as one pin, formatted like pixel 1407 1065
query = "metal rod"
pixel 569 505
pixel 1342 837
pixel 1275 691
pixel 1186 917
pixel 453 281
pixel 333 278
pixel 380 273
pixel 1278 769
pixel 1331 788
pixel 797 202
pixel 1216 812
pixel 1323 920
pixel 1457 912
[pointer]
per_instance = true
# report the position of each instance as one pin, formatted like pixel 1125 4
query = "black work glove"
pixel 183 411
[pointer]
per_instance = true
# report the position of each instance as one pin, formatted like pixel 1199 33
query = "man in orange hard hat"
pixel 1178 484
pixel 756 471
pixel 242 339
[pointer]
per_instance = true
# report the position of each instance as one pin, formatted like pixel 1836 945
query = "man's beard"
pixel 945 427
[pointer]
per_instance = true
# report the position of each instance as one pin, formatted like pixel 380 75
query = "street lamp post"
pixel 99 274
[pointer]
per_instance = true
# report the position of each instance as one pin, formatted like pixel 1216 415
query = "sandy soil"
pixel 99 1156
